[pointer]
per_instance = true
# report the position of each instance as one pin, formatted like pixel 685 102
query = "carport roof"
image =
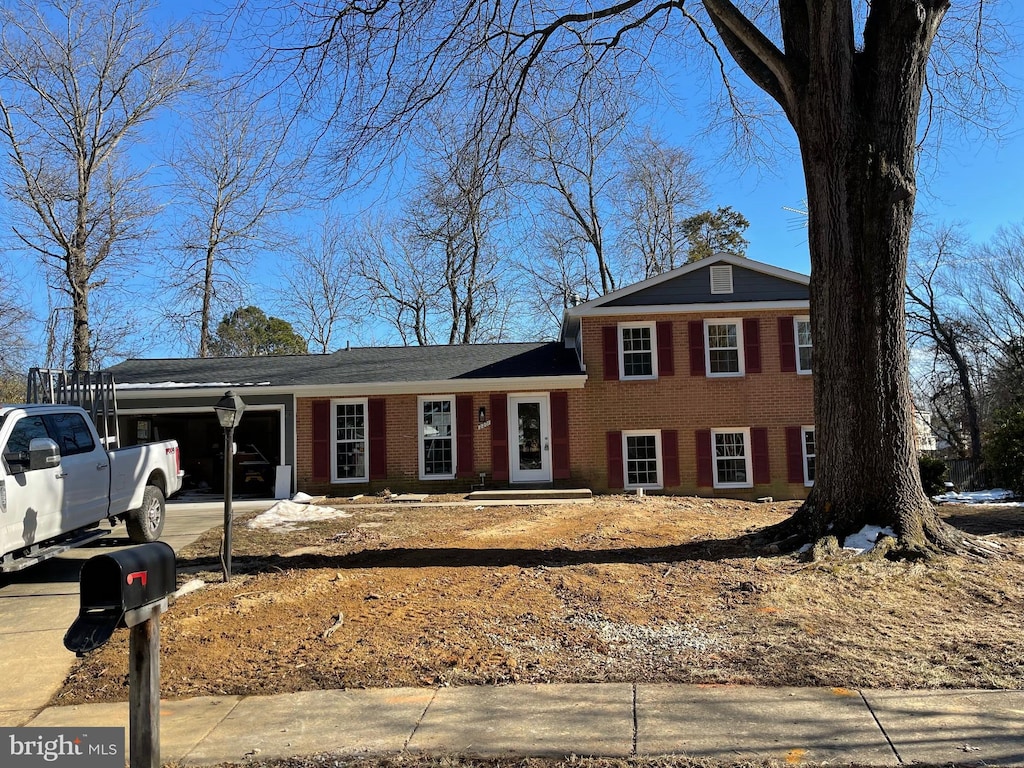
pixel 356 366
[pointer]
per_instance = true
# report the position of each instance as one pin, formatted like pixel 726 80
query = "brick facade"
pixel 680 401
pixel 687 403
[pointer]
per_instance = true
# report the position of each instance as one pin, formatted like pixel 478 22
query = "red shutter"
pixel 559 436
pixel 615 471
pixel 759 455
pixel 670 457
pixel 499 437
pixel 378 423
pixel 610 351
pixel 321 439
pixel 696 328
pixel 752 345
pixel 666 353
pixel 787 345
pixel 705 468
pixel 464 435
pixel 794 455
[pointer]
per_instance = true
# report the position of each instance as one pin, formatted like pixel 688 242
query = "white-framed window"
pixel 637 354
pixel 641 456
pixel 723 347
pixel 437 437
pixel 810 452
pixel 804 345
pixel 351 445
pixel 730 454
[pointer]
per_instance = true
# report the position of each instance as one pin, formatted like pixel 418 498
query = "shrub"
pixel 1004 448
pixel 933 472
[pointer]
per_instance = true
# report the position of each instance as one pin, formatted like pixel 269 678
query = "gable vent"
pixel 721 278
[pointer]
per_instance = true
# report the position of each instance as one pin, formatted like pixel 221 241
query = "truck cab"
pixel 58 482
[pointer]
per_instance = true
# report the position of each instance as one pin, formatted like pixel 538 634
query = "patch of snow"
pixel 805 548
pixel 864 540
pixel 302 498
pixel 287 515
pixel 995 495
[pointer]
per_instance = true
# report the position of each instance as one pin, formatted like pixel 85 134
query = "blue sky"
pixel 977 180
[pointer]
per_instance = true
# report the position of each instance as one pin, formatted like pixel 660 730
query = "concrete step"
pixel 527 494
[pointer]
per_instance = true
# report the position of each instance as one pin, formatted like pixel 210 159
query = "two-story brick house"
pixel 697 381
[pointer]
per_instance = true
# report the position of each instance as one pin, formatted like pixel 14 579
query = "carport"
pixel 264 440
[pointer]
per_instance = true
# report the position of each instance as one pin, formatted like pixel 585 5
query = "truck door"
pixel 86 469
pixel 31 501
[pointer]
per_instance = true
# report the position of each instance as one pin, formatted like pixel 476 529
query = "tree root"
pixel 932 537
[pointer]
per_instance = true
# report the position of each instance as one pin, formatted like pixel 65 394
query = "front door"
pixel 529 439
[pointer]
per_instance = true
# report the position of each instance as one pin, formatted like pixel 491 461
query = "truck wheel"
pixel 146 523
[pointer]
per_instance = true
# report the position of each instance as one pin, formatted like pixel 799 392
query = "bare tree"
pixel 951 338
pixel 573 143
pixel 661 186
pixel 848 77
pixel 78 79
pixel 558 274
pixel 454 218
pixel 991 285
pixel 319 286
pixel 232 185
pixel 14 330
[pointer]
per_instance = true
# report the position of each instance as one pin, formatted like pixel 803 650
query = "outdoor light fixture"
pixel 229 411
pixel 481 415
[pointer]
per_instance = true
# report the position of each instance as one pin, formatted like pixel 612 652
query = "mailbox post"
pixel 130 589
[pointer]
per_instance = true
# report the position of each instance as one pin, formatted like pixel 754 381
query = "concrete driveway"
pixel 38 605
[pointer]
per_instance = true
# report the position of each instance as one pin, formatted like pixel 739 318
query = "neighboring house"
pixel 697 381
pixel 924 436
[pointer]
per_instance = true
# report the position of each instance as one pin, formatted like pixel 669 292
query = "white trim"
pixel 788 305
pixel 650 326
pixel 803 452
pixel 420 437
pixel 656 433
pixel 544 474
pixel 745 431
pixel 334 439
pixel 796 345
pixel 721 258
pixel 366 388
pixel 721 279
pixel 740 362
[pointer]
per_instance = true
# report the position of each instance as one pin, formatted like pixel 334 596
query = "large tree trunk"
pixel 857 123
pixel 855 113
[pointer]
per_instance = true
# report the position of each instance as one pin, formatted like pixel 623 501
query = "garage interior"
pixel 201 440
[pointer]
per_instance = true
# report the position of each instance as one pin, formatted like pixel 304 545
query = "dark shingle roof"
pixel 363 365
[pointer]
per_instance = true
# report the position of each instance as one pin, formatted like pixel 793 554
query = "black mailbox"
pixel 121 589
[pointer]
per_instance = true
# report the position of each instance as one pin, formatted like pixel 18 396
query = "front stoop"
pixel 528 494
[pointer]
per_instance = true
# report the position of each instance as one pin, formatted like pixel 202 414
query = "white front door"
pixel 529 438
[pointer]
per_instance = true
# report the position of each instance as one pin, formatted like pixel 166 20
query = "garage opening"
pixel 201 440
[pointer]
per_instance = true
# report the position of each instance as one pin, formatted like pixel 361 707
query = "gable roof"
pixel 688 288
pixel 457 367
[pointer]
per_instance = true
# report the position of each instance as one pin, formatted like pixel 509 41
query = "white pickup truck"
pixel 58 482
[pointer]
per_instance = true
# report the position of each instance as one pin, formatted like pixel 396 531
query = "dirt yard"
pixel 622 589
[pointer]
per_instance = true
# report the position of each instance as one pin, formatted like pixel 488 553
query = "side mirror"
pixel 43 453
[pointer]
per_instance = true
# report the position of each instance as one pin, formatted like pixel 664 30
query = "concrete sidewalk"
pixel 728 723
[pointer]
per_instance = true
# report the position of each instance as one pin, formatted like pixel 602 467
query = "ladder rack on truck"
pixel 92 391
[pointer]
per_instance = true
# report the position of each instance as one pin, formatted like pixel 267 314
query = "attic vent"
pixel 721 278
